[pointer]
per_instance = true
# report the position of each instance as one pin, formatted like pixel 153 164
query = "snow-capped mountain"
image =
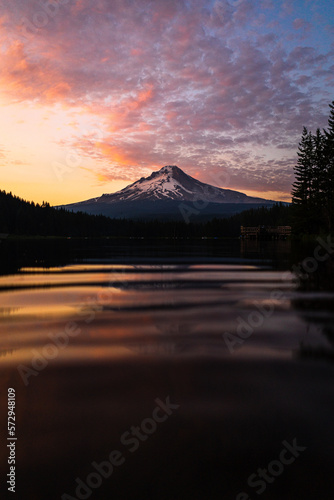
pixel 171 183
pixel 167 183
pixel 163 192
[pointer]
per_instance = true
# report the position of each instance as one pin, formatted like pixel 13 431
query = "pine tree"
pixel 313 190
pixel 319 177
pixel 302 193
pixel 328 188
pixel 303 170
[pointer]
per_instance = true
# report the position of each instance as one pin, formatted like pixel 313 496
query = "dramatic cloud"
pixel 211 86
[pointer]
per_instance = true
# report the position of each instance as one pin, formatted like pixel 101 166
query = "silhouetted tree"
pixel 313 189
pixel 329 166
pixel 23 218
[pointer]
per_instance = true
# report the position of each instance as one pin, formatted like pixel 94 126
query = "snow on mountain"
pixel 168 194
pixel 171 183
pixel 163 184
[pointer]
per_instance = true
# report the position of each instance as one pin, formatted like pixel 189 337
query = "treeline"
pixel 313 190
pixel 19 217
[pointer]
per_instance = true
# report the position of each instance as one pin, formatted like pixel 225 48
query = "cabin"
pixel 265 232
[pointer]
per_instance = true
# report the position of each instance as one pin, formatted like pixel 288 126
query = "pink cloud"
pixel 169 82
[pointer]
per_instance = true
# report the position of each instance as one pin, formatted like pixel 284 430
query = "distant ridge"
pixel 168 193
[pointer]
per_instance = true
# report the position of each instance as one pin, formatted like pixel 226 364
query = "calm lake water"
pixel 168 370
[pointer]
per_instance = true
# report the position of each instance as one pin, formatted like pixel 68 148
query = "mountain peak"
pixel 170 169
pixel 172 183
pixel 169 184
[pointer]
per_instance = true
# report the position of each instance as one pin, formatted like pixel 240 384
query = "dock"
pixel 265 232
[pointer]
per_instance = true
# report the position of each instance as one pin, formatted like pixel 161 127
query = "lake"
pixel 168 369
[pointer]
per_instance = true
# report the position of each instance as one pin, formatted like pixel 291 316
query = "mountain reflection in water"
pixel 241 347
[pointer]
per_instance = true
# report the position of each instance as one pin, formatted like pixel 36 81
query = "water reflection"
pixel 315 305
pixel 98 340
pixel 169 309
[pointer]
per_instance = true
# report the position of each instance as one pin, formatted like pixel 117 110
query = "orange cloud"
pixel 158 83
pixel 137 52
pixel 58 91
pixel 141 99
pixel 114 154
pixel 24 79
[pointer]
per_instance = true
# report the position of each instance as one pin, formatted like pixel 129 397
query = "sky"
pixel 96 94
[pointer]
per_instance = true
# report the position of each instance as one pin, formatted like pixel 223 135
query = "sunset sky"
pixel 96 94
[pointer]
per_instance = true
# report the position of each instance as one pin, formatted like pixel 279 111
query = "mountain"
pixel 169 193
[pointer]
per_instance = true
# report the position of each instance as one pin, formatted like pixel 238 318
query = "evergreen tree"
pixel 313 189
pixel 318 180
pixel 303 170
pixel 20 217
pixel 328 187
pixel 302 193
